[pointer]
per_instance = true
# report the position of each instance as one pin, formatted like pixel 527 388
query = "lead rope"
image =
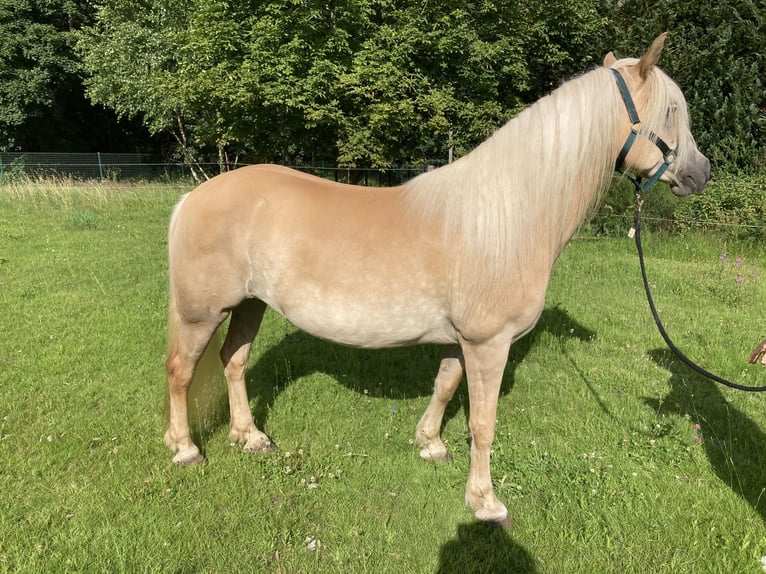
pixel 636 232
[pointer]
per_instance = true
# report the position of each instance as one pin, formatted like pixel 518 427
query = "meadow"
pixel 610 454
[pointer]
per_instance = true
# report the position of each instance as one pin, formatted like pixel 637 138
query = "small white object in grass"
pixel 763 563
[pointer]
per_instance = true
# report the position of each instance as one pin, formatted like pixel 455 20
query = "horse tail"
pixel 174 319
pixel 207 390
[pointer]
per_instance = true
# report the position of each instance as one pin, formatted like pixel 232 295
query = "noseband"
pixel 668 154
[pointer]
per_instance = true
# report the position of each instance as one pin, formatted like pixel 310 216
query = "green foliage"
pixel 367 83
pixel 81 220
pixel 36 61
pixel 614 215
pixel 422 73
pixel 732 206
pixel 362 82
pixel 735 205
pixel 132 56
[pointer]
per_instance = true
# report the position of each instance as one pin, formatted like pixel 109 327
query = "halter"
pixel 668 154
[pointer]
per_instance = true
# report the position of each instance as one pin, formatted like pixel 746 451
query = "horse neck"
pixel 557 157
pixel 513 203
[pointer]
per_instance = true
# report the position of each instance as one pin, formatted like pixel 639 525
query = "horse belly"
pixel 367 320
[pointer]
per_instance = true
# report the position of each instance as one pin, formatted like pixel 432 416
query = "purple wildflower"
pixel 697 427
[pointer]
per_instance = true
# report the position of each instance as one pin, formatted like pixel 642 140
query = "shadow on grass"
pixel 479 547
pixel 399 373
pixel 734 444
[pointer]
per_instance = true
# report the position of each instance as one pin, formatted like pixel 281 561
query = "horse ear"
pixel 652 56
pixel 609 60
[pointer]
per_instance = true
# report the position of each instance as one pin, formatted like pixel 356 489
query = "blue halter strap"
pixel 668 154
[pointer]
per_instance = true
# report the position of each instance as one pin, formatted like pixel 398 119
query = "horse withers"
pixel 459 256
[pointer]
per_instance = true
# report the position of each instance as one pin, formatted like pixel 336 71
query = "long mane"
pixel 517 199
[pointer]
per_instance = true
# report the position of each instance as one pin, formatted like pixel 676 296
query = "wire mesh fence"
pixel 736 204
pixel 136 166
pixel 86 166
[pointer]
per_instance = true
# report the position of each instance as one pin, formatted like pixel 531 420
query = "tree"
pixel 36 61
pixel 461 68
pixel 369 83
pixel 422 74
pixel 130 56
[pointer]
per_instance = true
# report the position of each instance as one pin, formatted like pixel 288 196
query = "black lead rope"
pixel 683 358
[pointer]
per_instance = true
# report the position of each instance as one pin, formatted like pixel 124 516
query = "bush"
pixel 614 215
pixel 733 206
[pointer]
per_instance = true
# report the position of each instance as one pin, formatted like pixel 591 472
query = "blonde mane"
pixel 519 197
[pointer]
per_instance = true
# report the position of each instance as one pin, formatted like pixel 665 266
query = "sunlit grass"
pixel 611 456
pixel 69 193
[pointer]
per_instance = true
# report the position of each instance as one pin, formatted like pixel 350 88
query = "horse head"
pixel 658 141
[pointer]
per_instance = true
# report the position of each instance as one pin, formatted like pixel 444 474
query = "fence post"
pixel 100 167
pixel 2 171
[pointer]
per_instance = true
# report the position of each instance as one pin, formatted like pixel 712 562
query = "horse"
pixel 458 256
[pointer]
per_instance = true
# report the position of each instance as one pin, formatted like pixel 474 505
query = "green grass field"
pixel 610 455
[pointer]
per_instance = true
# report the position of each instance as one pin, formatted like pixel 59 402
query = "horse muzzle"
pixel 693 179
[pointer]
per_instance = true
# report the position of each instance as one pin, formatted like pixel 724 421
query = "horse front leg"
pixel 484 364
pixel 428 431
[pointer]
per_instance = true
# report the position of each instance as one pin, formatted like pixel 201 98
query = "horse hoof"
pixel 432 455
pixel 260 446
pixel 192 458
pixel 505 524
pixel 500 520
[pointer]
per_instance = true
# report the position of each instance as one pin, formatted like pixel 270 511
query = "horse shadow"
pixel 399 373
pixel 482 548
pixel 734 445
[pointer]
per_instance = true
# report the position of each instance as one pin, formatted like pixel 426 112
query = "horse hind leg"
pixel 428 431
pixel 235 354
pixel 189 343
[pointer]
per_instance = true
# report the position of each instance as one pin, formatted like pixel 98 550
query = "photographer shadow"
pixel 479 548
pixel 734 445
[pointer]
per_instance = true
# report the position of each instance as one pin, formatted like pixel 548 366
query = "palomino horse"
pixel 459 256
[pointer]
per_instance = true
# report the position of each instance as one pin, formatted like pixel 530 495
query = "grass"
pixel 611 455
